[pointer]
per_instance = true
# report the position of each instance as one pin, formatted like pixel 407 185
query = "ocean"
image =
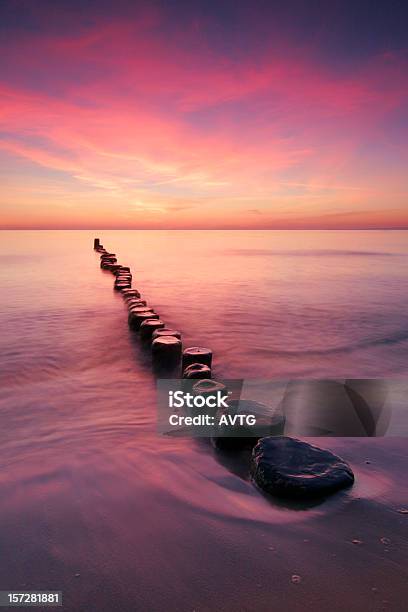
pixel 95 503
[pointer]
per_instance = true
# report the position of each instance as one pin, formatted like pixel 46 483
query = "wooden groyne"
pixel 280 465
pixel 166 343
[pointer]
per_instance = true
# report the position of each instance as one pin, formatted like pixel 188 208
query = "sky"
pixel 202 114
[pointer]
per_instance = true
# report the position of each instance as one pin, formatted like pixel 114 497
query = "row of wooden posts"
pixel 166 344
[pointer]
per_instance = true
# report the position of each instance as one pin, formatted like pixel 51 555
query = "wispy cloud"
pixel 122 111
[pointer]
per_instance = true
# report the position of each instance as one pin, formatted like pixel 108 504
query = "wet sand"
pixel 204 538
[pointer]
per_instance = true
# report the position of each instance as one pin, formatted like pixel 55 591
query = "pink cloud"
pixel 121 109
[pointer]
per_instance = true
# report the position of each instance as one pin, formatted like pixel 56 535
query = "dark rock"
pixel 197 370
pixel 96 243
pixel 196 354
pixel 287 467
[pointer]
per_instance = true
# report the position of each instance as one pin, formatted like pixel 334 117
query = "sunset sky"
pixel 203 114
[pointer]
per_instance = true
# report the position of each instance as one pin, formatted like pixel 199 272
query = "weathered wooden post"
pixel 166 351
pixel 198 371
pixel 148 327
pixel 197 354
pixel 166 331
pixel 136 317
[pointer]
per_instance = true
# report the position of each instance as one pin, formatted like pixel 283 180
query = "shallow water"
pixel 96 504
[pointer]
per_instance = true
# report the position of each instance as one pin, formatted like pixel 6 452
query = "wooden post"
pixel 196 354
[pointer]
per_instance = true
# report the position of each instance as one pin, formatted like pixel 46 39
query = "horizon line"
pixel 228 228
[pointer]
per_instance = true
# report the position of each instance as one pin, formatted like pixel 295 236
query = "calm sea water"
pixel 93 501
